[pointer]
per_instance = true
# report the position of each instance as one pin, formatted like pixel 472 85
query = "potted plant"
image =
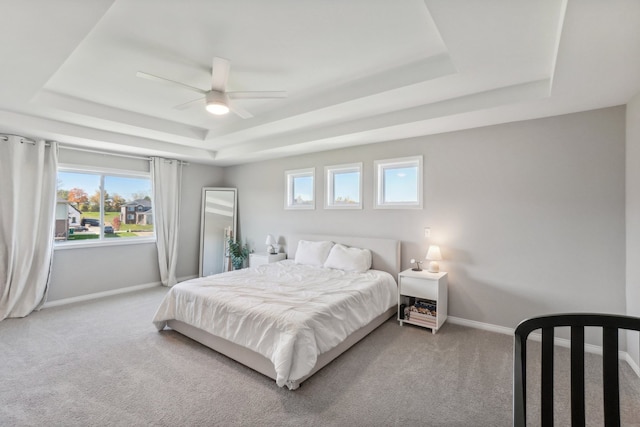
pixel 238 253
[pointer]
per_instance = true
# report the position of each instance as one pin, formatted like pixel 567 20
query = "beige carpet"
pixel 102 363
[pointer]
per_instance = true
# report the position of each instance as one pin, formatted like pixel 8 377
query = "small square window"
pixel 343 187
pixel 300 189
pixel 398 183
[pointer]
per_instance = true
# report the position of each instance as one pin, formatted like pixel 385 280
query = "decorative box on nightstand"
pixel 422 298
pixel 265 258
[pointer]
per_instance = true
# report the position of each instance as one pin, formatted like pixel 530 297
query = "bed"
pixel 289 319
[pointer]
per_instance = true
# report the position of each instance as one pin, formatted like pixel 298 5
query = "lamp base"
pixel 434 267
pixel 271 250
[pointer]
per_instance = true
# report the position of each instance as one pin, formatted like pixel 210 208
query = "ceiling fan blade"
pixel 151 77
pixel 240 111
pixel 258 94
pixel 188 104
pixel 220 74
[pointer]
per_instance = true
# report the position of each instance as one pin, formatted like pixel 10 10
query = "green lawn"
pixel 82 236
pixel 109 216
pixel 95 236
pixel 136 227
pixel 126 230
pixel 120 234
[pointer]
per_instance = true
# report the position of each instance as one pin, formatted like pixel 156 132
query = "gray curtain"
pixel 167 181
pixel 27 220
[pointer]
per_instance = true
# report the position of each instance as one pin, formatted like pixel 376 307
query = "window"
pixel 343 187
pixel 398 183
pixel 300 189
pixel 94 206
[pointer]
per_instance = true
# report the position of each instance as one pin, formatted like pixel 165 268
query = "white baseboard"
pixel 89 297
pixel 96 295
pixel 536 336
pixel 479 325
pixel 632 363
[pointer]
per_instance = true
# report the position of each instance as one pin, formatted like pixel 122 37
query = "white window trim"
pixel 379 197
pixel 329 193
pixel 290 176
pixel 102 240
pixel 102 243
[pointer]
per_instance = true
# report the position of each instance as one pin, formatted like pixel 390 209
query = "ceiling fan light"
pixel 217 108
pixel 217 103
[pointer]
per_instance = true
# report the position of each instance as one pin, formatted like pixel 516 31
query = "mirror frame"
pixel 202 219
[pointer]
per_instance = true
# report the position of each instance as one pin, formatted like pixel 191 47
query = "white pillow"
pixel 349 259
pixel 312 253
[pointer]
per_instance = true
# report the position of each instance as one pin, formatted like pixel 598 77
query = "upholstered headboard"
pixel 385 252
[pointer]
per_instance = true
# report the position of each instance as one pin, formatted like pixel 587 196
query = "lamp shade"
pixel 270 242
pixel 434 255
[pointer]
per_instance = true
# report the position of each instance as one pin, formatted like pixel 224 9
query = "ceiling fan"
pixel 217 100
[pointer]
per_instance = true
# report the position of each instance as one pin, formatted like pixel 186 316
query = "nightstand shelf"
pixel 424 294
pixel 257 259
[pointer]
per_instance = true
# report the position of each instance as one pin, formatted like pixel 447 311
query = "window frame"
pixel 330 173
pixel 102 240
pixel 289 196
pixel 379 182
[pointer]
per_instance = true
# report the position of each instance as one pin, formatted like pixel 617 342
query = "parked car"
pixel 90 221
pixel 80 228
pixel 108 229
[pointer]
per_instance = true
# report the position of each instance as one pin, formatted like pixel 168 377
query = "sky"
pixel 125 187
pixel 303 187
pixel 401 185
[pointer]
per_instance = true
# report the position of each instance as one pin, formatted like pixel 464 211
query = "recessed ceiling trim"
pixel 556 49
pixel 407 117
pixel 71 134
pixel 406 75
pixel 115 119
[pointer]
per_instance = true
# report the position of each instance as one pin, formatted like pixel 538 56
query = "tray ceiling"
pixel 356 72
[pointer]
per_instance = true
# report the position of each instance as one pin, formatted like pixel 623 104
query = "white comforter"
pixel 289 313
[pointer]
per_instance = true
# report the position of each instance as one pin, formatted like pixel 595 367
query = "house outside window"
pixel 143 215
pixel 101 200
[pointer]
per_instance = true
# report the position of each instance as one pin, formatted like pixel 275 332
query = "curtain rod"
pixel 5 137
pixel 131 156
pixel 23 139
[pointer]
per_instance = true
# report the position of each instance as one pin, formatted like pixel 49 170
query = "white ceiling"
pixel 356 71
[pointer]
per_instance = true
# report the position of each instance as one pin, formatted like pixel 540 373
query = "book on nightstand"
pixel 422 312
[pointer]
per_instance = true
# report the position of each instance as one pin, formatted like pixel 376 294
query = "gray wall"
pixel 633 220
pixel 530 216
pixel 83 271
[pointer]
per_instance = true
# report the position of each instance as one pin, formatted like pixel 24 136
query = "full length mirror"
pixel 217 225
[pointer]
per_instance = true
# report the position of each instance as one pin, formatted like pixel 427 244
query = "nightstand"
pixel 424 296
pixel 265 258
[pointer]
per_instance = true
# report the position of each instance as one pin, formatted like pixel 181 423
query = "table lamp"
pixel 270 242
pixel 434 255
